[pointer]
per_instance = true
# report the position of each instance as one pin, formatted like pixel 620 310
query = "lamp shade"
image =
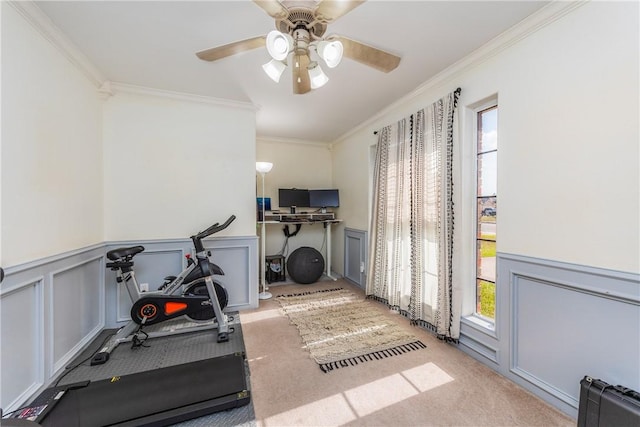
pixel 263 167
pixel 330 52
pixel 274 69
pixel 317 76
pixel 279 44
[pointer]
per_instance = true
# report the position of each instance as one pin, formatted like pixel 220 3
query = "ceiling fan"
pixel 300 30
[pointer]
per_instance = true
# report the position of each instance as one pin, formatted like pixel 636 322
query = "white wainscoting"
pixel 50 310
pixel 355 256
pixel 556 323
pixel 78 286
pixel 22 332
pixel 238 258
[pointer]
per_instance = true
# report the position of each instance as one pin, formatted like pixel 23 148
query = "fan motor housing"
pixel 304 17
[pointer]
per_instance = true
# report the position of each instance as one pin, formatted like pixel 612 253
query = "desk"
pixel 263 236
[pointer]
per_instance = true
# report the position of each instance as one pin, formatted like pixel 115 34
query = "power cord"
pixel 136 341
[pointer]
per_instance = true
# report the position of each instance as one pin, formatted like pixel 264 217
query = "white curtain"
pixel 411 246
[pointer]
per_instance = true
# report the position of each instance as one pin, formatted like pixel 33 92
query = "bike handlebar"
pixel 215 228
pixel 197 239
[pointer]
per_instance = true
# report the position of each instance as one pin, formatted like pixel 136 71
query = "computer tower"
pixel 275 268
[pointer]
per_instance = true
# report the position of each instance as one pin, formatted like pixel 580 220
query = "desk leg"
pixel 327 231
pixel 263 259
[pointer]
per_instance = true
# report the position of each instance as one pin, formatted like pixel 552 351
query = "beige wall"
pixel 173 167
pixel 51 173
pixel 568 181
pixel 351 173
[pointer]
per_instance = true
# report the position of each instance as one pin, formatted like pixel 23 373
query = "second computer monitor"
pixel 324 199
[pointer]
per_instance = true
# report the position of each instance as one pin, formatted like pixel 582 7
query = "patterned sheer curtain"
pixel 411 246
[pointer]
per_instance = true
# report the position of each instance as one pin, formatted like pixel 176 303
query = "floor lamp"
pixel 263 168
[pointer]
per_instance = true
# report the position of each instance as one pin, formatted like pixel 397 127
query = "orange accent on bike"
pixel 173 307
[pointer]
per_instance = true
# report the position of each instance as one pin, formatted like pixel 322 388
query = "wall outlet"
pixel 144 287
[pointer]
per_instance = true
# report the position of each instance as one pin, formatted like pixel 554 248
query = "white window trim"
pixel 481 324
pixel 469 172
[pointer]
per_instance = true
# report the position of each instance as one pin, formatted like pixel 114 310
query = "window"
pixel 486 210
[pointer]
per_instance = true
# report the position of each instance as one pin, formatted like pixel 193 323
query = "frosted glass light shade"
pixel 317 76
pixel 330 52
pixel 274 69
pixel 279 44
pixel 263 167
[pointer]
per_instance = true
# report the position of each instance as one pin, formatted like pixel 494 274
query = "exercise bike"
pixel 193 294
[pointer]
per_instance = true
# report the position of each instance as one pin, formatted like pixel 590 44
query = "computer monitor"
pixel 324 198
pixel 293 198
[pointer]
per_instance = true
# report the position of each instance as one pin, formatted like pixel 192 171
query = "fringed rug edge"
pixel 375 355
pixel 300 294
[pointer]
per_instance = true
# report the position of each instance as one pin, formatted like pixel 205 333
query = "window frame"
pixel 483 108
pixel 468 230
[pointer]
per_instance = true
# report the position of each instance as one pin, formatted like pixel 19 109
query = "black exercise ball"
pixel 305 265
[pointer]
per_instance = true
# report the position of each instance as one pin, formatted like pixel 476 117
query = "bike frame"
pixel 126 274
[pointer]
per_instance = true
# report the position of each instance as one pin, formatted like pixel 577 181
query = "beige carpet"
pixel 340 329
pixel 436 386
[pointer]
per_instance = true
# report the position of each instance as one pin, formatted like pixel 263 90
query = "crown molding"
pixel 43 25
pixel 116 87
pixel 528 26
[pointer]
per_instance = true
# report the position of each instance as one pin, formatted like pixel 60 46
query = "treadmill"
pixel 158 397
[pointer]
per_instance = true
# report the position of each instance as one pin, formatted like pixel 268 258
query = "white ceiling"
pixel 153 44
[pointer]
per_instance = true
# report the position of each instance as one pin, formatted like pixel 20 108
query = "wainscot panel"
pixel 559 322
pixel 234 256
pixel 50 310
pixel 73 329
pixel 355 256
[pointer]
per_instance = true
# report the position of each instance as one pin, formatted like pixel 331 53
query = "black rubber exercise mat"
pixel 159 397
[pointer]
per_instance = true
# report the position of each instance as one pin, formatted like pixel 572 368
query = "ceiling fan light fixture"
pixel 300 32
pixel 279 44
pixel 274 69
pixel 317 77
pixel 331 52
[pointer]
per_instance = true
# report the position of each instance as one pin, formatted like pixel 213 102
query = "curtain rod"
pixel 456 94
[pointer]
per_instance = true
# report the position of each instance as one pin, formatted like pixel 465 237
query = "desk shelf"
pixel 300 217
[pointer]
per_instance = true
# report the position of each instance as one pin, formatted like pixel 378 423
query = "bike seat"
pixel 120 253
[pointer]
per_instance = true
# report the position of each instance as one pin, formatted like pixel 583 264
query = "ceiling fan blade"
pixel 219 52
pixel 330 10
pixel 273 8
pixel 301 80
pixel 367 55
